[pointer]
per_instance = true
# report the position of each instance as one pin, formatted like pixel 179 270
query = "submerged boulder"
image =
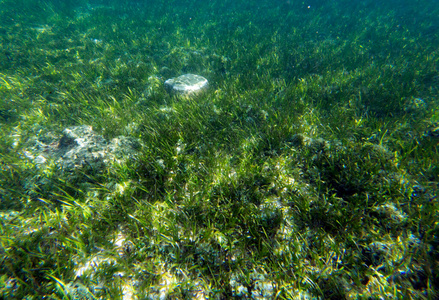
pixel 186 85
pixel 78 155
pixel 80 147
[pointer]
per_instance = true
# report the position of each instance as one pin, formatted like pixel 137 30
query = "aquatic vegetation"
pixel 308 169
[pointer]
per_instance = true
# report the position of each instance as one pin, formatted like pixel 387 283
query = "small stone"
pixel 186 85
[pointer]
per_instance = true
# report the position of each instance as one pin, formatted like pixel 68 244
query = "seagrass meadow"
pixel 308 170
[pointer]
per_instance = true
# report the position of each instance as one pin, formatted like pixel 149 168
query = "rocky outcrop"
pixel 78 155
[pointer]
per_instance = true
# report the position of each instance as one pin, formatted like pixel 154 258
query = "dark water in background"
pixel 219 22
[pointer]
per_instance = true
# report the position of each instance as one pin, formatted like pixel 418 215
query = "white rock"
pixel 186 85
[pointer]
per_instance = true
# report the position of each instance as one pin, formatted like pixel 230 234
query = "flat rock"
pixel 186 85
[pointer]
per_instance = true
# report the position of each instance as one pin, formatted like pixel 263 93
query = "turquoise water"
pixel 307 168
